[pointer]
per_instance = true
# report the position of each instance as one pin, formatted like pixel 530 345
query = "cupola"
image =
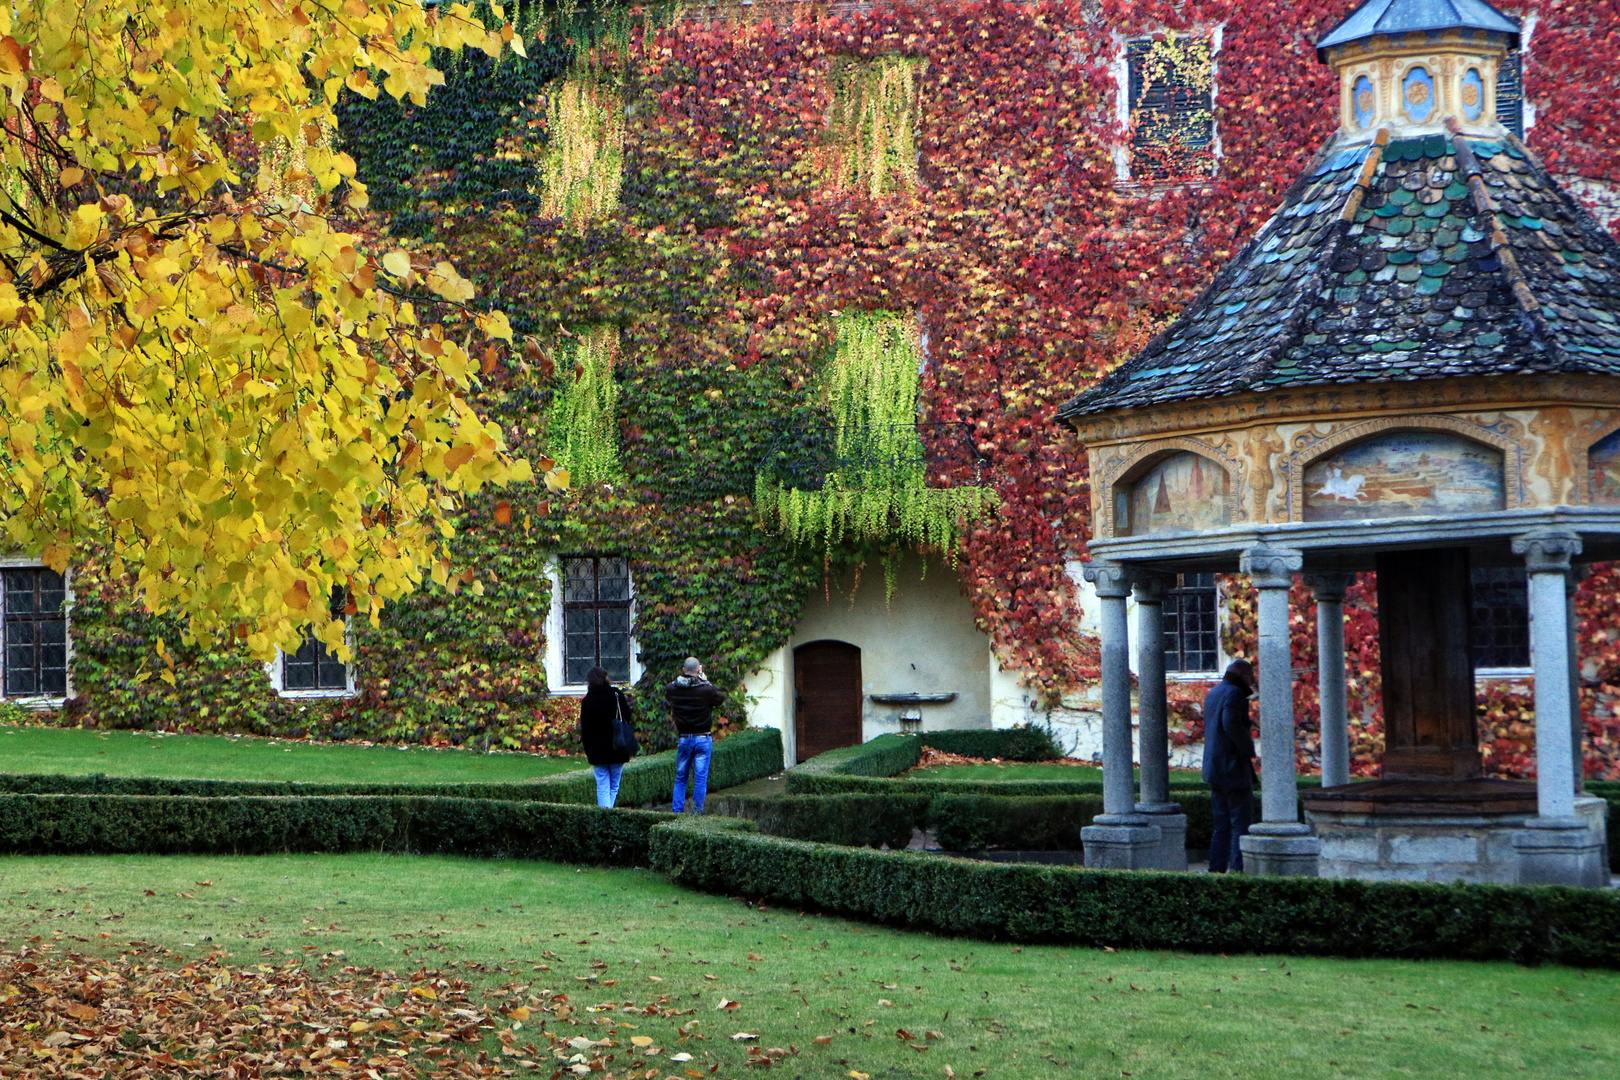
pixel 1407 65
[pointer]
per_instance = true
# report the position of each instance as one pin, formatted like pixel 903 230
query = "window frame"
pixel 276 670
pixel 1173 594
pixel 40 701
pixel 552 658
pixel 1121 70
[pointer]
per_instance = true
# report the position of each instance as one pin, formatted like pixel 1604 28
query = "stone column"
pixel 1153 725
pixel 1329 588
pixel 1280 844
pixel 1118 838
pixel 1557 847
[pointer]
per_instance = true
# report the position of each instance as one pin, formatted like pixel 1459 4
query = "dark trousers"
pixel 1233 809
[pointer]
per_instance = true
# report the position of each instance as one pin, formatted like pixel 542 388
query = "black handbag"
pixel 624 732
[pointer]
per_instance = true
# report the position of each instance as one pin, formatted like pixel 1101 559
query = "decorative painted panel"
pixel 1183 493
pixel 1365 102
pixel 1417 91
pixel 1603 461
pixel 1404 474
pixel 1473 94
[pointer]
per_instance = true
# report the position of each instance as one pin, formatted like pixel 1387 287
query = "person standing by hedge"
pixel 602 703
pixel 1229 764
pixel 692 699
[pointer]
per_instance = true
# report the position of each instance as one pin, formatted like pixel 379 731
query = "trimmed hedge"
pixel 852 769
pixel 1136 909
pixel 258 825
pixel 856 820
pixel 738 758
pixel 1042 823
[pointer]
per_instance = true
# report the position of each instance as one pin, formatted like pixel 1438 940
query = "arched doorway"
pixel 826 697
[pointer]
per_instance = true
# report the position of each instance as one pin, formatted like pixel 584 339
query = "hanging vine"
pixel 872 126
pixel 878 491
pixel 582 429
pixel 584 162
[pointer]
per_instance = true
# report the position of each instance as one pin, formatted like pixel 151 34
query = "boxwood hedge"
pixel 1135 909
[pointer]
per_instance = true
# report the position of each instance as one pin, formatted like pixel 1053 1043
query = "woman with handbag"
pixel 606 731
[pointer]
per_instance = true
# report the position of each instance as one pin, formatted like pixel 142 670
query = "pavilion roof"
pixel 1418 281
pixel 1396 17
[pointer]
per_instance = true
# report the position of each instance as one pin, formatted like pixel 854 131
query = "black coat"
pixel 1228 746
pixel 692 700
pixel 596 712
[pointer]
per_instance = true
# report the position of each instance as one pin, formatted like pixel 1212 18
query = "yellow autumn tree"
pixel 206 369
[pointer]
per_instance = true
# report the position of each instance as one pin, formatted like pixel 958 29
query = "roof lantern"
pixel 1407 65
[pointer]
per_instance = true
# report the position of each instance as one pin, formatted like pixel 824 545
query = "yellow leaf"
pixel 397 263
pixel 297 597
pixel 70 176
pixel 426 992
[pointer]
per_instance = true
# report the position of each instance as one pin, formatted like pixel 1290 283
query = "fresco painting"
pixel 1182 493
pixel 1404 474
pixel 1604 462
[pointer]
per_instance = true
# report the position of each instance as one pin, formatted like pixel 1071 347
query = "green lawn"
pixel 1000 1011
pixel 73 751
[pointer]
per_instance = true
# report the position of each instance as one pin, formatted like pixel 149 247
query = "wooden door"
pixel 826 697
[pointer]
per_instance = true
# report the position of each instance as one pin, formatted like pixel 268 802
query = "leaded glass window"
pixel 314 667
pixel 596 617
pixel 1192 637
pixel 1501 629
pixel 35 633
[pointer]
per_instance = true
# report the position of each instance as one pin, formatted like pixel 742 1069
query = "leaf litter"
pixel 141 1017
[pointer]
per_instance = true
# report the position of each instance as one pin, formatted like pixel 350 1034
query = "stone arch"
pixel 1124 472
pixel 1511 449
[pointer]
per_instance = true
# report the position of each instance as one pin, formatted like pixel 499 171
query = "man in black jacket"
pixel 1229 764
pixel 692 699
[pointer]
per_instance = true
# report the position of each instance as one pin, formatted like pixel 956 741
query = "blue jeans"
pixel 692 755
pixel 1233 808
pixel 607 784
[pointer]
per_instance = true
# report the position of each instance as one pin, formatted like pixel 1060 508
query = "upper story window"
pixel 596 617
pixel 1192 639
pixel 314 670
pixel 1170 94
pixel 36 632
pixel 1510 93
pixel 1501 629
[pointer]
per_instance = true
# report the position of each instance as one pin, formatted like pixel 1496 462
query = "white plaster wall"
pixel 770 698
pixel 922 641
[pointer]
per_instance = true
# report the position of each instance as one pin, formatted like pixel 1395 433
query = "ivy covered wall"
pixel 764 189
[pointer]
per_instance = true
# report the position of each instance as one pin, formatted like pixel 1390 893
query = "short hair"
pixel 598 677
pixel 691 666
pixel 1240 667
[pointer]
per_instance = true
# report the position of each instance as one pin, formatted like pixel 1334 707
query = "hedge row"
pixel 890 755
pixel 258 825
pixel 738 758
pixel 1196 912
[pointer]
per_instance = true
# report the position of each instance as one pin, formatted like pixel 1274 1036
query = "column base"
pixel 1172 852
pixel 1121 842
pixel 1560 851
pixel 1280 849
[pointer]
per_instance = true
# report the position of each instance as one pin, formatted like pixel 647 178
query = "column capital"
pixel 1328 586
pixel 1547 551
pixel 1149 587
pixel 1272 568
pixel 1111 580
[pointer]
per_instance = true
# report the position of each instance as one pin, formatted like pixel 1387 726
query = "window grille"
pixel 314 667
pixel 1501 629
pixel 596 617
pixel 1510 93
pixel 1171 100
pixel 35 633
pixel 1192 637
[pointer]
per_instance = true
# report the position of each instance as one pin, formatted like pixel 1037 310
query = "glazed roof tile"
pixel 1417 281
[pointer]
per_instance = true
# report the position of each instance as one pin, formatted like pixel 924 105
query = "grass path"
pixel 74 751
pixel 1037 1012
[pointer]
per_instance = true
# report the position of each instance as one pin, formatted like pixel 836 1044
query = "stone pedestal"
pixel 1122 842
pixel 1172 826
pixel 1272 849
pixel 1561 851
